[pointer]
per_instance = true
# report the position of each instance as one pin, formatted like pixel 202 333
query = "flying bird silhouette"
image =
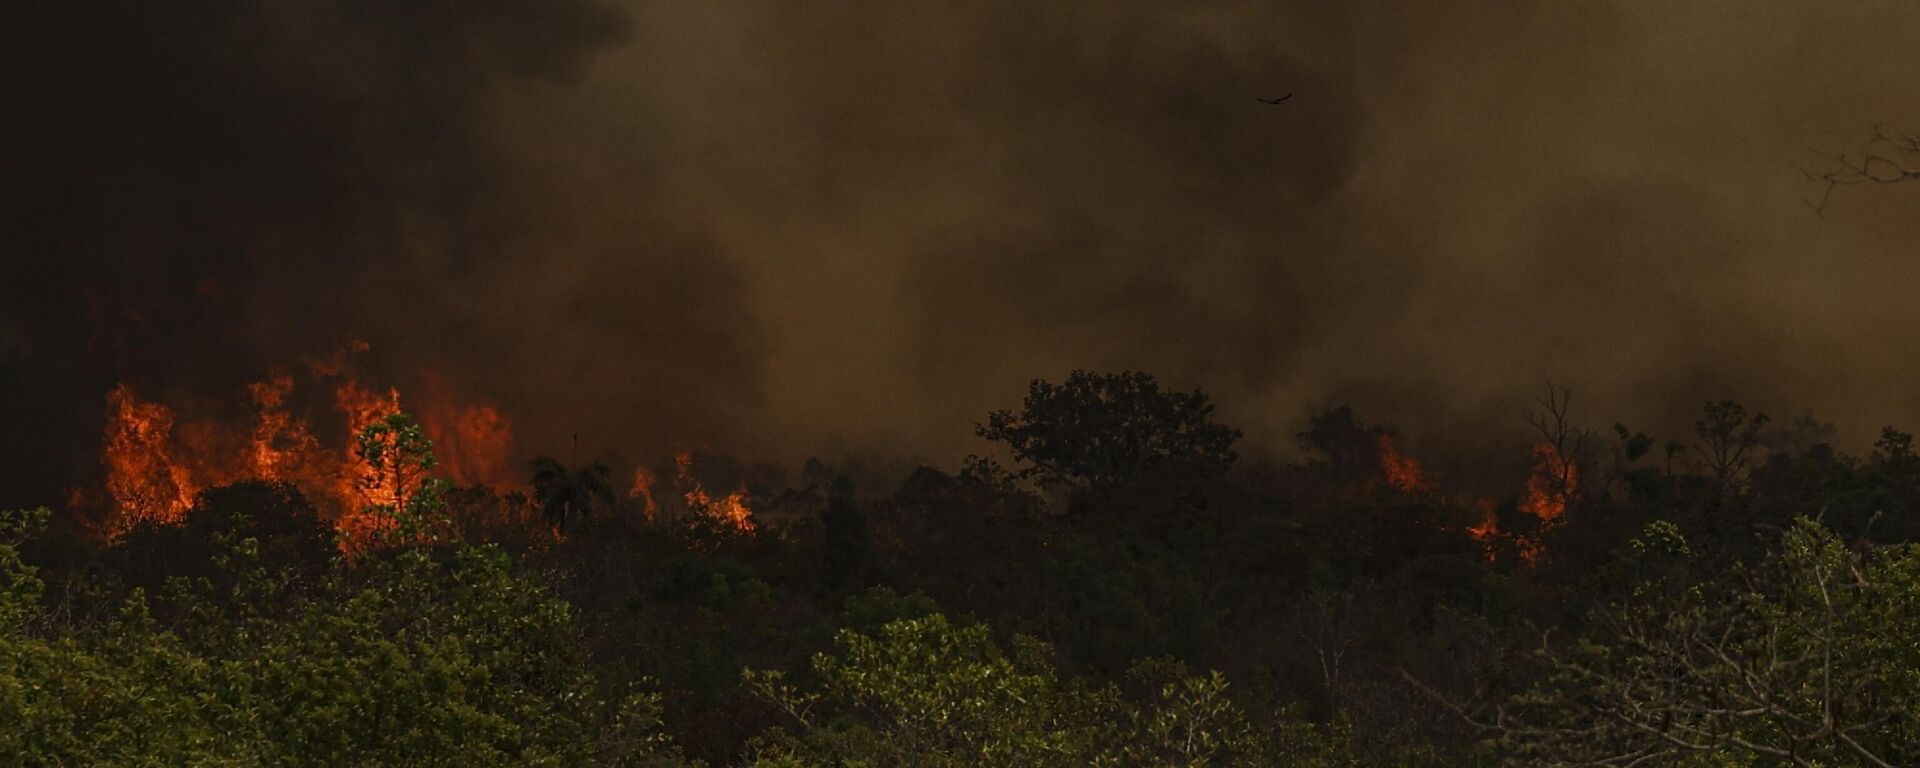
pixel 1273 101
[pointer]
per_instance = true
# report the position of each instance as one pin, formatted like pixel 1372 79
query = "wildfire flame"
pixel 1487 531
pixel 144 478
pixel 363 408
pixel 156 467
pixel 1550 486
pixel 1403 472
pixel 471 440
pixel 1552 483
pixel 283 446
pixel 731 509
pixel 643 490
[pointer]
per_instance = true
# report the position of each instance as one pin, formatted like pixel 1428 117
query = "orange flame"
pixel 731 509
pixel 1551 485
pixel 363 408
pixel 143 475
pixel 1402 472
pixel 156 467
pixel 472 441
pixel 1487 531
pixel 643 490
pixel 272 455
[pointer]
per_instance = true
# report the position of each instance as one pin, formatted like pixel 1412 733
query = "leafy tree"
pixel 923 692
pixel 412 657
pixel 398 456
pixel 449 660
pixel 286 529
pixel 1806 660
pixel 128 695
pixel 405 503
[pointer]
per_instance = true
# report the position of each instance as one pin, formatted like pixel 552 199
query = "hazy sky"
pixel 784 228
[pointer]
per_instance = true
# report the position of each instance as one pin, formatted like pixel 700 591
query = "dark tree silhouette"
pixel 844 528
pixel 1104 432
pixel 566 496
pixel 1888 158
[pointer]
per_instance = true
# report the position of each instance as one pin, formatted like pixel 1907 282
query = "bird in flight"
pixel 1273 101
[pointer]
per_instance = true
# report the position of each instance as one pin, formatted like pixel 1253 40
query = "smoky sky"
pixel 780 228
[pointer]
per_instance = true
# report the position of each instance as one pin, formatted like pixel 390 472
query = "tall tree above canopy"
pixel 1103 432
pixel 567 495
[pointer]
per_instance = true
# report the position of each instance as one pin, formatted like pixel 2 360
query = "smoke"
pixel 782 228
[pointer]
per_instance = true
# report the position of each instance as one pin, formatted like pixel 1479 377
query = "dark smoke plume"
pixel 783 228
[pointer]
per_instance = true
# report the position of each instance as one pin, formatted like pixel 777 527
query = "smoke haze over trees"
pixel 781 230
pixel 639 382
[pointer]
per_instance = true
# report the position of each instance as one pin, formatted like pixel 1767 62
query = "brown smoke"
pixel 781 228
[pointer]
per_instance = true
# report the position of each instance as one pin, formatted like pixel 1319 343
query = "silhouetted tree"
pixel 844 528
pixel 1728 436
pixel 1887 158
pixel 1102 432
pixel 1348 450
pixel 567 495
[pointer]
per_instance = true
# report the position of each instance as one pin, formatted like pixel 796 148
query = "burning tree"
pixel 401 496
pixel 157 462
pixel 142 473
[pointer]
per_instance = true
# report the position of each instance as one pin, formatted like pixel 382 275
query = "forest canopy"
pixel 1124 592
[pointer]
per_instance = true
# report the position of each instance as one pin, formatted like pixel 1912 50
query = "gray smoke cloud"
pixel 780 228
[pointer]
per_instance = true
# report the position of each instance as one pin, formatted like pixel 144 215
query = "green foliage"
pixel 132 698
pixel 413 664
pixel 412 657
pixel 244 637
pixel 923 692
pixel 124 695
pixel 1188 721
pixel 397 453
pixel 20 583
pixel 1805 659
pixel 867 612
pixel 413 504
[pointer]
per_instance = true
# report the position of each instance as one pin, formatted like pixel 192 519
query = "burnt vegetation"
pixel 1115 588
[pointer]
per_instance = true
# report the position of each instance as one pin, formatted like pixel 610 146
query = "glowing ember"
pixel 1550 486
pixel 731 509
pixel 143 476
pixel 1552 483
pixel 1402 472
pixel 643 490
pixel 734 511
pixel 1487 531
